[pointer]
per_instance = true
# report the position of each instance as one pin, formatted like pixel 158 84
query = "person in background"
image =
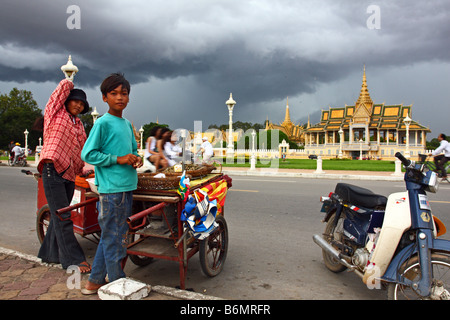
pixel 151 151
pixel 17 151
pixel 163 137
pixel 207 150
pixel 441 159
pixel 172 152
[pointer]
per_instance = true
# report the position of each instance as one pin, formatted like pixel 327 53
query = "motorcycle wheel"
pixel 333 233
pixel 440 265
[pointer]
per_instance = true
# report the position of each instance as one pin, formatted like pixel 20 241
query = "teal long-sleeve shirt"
pixel 111 137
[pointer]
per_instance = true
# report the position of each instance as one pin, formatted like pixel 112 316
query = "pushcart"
pixel 83 210
pixel 174 240
pixel 156 229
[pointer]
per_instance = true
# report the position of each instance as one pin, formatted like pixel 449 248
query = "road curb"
pixel 313 175
pixel 162 290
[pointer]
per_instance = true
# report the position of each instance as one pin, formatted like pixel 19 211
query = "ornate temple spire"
pixel 364 96
pixel 287 117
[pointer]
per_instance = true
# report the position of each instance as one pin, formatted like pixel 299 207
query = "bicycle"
pixel 423 158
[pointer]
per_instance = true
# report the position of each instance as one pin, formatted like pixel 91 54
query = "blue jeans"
pixel 114 210
pixel 60 244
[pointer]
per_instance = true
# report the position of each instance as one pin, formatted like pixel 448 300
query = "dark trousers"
pixel 440 161
pixel 60 244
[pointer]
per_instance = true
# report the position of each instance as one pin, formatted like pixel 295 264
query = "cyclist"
pixel 18 152
pixel 441 159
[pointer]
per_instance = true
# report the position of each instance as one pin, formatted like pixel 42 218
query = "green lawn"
pixel 357 165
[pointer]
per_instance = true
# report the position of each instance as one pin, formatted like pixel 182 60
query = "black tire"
pixel 440 264
pixel 141 261
pixel 332 233
pixel 42 222
pixel 213 250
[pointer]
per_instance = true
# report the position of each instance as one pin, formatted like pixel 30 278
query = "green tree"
pixel 434 143
pixel 88 121
pixel 238 125
pixel 18 111
pixel 148 127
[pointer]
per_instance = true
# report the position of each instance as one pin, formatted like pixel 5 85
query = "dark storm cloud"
pixel 260 50
pixel 227 41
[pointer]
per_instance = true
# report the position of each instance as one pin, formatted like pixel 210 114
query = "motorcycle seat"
pixel 359 196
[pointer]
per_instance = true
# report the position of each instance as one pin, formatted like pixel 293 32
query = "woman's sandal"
pixel 84 267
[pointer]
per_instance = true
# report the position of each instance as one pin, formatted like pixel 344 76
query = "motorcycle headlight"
pixel 431 181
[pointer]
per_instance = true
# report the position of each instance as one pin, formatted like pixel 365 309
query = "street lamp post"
pixel 407 122
pixel 141 131
pixel 94 115
pixel 69 69
pixel 230 104
pixel 360 148
pixel 253 159
pixel 341 133
pixel 26 142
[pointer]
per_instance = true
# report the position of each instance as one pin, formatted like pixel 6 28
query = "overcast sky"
pixel 183 58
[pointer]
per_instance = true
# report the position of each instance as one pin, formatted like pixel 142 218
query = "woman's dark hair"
pixel 154 130
pixel 163 130
pixel 113 81
pixel 168 138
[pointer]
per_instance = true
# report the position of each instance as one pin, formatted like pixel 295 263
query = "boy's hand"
pixel 130 159
pixel 138 163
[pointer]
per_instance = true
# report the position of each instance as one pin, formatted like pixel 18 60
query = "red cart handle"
pixel 75 206
pixel 143 214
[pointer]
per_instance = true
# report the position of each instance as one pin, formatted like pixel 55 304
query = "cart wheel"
pixel 213 250
pixel 141 261
pixel 42 222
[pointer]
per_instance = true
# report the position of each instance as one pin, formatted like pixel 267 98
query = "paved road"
pixel 271 254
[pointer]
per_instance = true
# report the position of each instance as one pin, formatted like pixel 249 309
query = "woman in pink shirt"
pixel 64 138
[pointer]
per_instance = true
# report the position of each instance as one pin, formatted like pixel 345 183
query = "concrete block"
pixel 124 289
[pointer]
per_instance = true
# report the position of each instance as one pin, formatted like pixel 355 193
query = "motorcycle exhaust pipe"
pixel 336 254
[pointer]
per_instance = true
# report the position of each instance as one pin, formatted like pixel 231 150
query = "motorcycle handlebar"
pixel 405 161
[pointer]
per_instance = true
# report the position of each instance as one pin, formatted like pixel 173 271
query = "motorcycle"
pixel 389 242
pixel 21 160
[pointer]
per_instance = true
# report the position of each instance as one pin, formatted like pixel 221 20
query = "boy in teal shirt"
pixel 112 149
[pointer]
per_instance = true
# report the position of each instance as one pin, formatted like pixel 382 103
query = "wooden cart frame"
pixel 174 242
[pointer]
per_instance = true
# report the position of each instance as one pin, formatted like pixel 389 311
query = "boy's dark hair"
pixel 113 81
pixel 443 136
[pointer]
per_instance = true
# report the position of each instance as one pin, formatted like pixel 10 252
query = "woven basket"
pixel 147 181
pixel 198 173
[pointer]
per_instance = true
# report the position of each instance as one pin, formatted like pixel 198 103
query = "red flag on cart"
pixel 217 191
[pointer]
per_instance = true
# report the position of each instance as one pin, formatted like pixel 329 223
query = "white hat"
pixel 205 138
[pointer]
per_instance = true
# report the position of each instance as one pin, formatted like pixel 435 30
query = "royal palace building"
pixel 367 129
pixel 295 132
